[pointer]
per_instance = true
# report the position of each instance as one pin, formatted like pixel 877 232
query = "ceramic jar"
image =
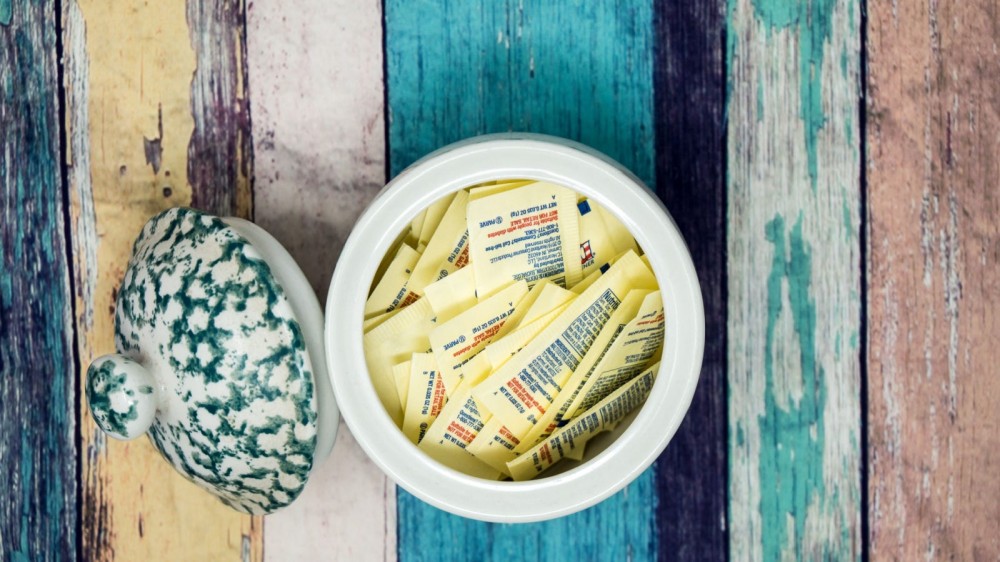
pixel 223 359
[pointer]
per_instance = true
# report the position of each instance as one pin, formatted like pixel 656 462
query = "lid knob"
pixel 122 396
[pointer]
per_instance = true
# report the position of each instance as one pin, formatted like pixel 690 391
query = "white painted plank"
pixel 316 103
pixel 794 281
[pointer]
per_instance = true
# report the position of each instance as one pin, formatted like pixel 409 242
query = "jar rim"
pixel 606 469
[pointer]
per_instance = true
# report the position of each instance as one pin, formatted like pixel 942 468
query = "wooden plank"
pixel 583 71
pixel 218 154
pixel 932 170
pixel 689 82
pixel 315 77
pixel 38 515
pixel 131 69
pixel 794 280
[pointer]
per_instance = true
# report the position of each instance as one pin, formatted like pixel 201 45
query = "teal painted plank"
pixel 794 279
pixel 6 11
pixel 38 514
pixel 582 70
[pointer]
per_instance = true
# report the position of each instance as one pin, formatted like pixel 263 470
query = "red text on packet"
pixel 463 259
pixel 461 432
pixel 506 434
pixel 437 402
pixel 522 394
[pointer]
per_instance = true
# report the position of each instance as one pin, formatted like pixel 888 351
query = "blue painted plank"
pixel 38 515
pixel 582 70
pixel 689 81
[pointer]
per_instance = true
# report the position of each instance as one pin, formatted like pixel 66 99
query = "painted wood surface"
pixel 140 104
pixel 316 91
pixel 218 153
pixel 689 84
pixel 933 164
pixel 582 70
pixel 794 280
pixel 38 460
pixel 157 112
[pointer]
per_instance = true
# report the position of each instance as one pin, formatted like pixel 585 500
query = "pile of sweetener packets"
pixel 513 321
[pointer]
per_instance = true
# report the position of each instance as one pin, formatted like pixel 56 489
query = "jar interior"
pixel 484 278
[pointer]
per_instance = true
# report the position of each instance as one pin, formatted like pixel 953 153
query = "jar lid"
pixel 213 362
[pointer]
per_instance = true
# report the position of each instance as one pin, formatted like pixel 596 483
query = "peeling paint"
pixel 795 433
pixel 794 190
pixel 219 152
pixel 950 259
pixel 813 21
pixel 86 240
pixel 933 167
pixel 39 514
pixel 153 148
pixel 6 11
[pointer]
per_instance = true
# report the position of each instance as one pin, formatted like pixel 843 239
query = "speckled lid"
pixel 211 362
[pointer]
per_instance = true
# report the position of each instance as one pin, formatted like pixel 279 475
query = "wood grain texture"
pixel 38 514
pixel 794 279
pixel 689 83
pixel 582 70
pixel 130 72
pixel 934 198
pixel 219 155
pixel 315 79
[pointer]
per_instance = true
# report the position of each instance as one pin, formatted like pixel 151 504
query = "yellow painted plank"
pixel 130 122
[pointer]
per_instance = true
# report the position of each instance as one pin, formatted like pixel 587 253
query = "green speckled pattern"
pixel 200 309
pixel 119 403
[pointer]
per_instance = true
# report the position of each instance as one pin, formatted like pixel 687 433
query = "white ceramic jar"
pixel 186 378
pixel 613 459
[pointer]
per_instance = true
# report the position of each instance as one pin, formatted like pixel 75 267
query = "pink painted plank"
pixel 316 91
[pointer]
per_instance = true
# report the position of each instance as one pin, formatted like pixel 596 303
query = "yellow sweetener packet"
pixel 639 343
pixel 497 187
pixel 530 232
pixel 370 324
pixel 413 234
pixel 618 232
pixel 603 416
pixel 523 307
pixel 432 218
pixel 447 439
pixel 453 294
pixel 524 387
pixel 501 350
pixel 477 368
pixel 425 396
pixel 596 273
pixel 496 442
pixel 447 250
pixel 391 293
pixel 401 373
pixel 456 341
pixel 588 280
pixel 555 414
pixel 599 242
pixel 494 445
pixel 393 342
pixel 551 298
